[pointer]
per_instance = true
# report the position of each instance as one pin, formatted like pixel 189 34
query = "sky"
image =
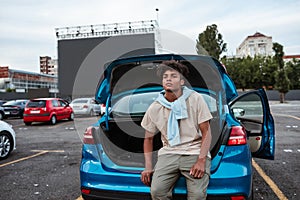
pixel 28 26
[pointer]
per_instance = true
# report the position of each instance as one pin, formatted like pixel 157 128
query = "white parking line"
pixel 40 152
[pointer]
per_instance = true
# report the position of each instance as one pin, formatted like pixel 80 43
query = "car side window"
pixel 55 103
pixel 248 108
pixel 62 103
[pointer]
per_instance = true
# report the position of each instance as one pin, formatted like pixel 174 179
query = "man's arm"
pixel 148 148
pixel 198 169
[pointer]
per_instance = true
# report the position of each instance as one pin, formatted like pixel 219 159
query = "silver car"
pixel 85 106
pixel 7 140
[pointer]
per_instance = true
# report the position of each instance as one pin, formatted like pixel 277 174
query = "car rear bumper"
pixel 36 117
pixel 116 195
pixel 12 113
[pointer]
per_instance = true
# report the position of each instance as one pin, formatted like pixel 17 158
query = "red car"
pixel 47 110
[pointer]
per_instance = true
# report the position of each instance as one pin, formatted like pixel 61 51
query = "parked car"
pixel 86 106
pixel 7 140
pixel 112 151
pixel 14 108
pixel 47 110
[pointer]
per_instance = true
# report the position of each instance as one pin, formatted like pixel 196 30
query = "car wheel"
pixel 27 123
pixel 1 115
pixel 71 118
pixel 92 113
pixel 6 145
pixel 53 120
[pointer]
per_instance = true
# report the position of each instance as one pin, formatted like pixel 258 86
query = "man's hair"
pixel 172 65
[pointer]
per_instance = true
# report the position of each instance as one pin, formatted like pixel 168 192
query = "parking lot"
pixel 45 164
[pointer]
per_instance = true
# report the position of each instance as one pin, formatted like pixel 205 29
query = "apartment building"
pixel 257 44
pixel 48 65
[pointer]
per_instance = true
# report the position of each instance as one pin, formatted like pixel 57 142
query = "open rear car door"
pixel 253 111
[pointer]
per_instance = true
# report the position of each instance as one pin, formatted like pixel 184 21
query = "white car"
pixel 86 106
pixel 7 140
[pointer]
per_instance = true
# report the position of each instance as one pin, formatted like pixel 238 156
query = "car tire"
pixel 6 144
pixel 53 120
pixel 92 113
pixel 1 115
pixel 71 118
pixel 27 123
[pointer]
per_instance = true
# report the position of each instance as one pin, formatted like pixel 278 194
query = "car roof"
pixel 45 99
pixel 18 100
pixel 83 98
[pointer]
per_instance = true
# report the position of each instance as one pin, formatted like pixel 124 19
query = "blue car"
pixel 112 151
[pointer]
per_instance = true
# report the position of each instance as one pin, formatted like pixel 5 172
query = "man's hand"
pixel 198 169
pixel 146 177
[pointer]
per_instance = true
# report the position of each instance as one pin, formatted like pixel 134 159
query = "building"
pixel 257 44
pixel 291 58
pixel 48 65
pixel 23 80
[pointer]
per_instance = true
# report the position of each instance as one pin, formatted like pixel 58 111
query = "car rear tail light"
pixel 85 191
pixel 88 136
pixel 238 198
pixel 85 106
pixel 103 105
pixel 237 136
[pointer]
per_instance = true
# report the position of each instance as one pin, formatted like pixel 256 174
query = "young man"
pixel 182 117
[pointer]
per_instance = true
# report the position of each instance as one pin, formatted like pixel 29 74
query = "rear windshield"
pixel 137 104
pixel 80 101
pixel 36 104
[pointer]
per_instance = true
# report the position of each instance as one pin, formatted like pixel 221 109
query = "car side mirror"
pixel 238 112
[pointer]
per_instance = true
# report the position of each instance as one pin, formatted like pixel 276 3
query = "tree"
pixel 293 73
pixel 211 42
pixel 269 69
pixel 282 81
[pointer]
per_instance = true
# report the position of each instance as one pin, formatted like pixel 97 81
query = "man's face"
pixel 172 81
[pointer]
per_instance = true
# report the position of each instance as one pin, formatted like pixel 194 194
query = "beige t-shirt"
pixel 156 119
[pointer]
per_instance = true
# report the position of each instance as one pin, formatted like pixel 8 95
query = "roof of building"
pixel 257 34
pixel 291 56
pixel 31 73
